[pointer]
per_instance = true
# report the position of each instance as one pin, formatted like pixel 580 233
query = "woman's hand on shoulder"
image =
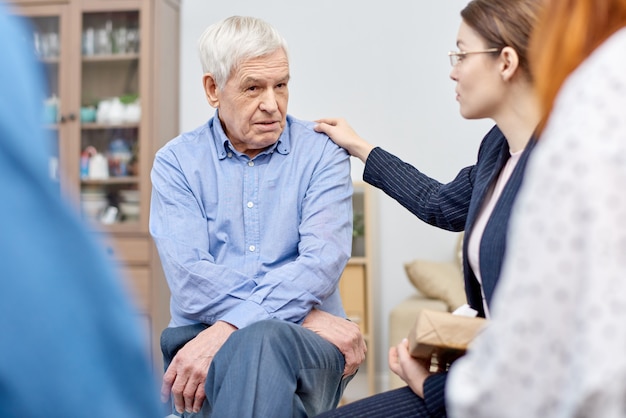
pixel 343 135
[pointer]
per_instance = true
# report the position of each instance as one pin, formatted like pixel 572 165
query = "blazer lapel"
pixel 484 180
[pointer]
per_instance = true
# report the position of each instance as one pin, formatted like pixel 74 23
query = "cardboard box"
pixel 442 335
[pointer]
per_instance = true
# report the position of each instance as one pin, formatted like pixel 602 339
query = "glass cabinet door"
pixel 110 116
pixel 45 38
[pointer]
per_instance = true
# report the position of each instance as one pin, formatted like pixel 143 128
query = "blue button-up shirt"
pixel 243 239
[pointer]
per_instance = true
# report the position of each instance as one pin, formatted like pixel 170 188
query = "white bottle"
pixel 98 167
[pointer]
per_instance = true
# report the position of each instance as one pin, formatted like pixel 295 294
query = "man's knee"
pixel 269 328
pixel 271 332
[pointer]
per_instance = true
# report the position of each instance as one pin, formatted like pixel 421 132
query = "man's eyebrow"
pixel 254 80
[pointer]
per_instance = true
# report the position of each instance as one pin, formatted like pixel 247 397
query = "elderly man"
pixel 251 214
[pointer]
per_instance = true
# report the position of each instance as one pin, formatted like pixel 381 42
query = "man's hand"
pixel 186 374
pixel 410 369
pixel 345 335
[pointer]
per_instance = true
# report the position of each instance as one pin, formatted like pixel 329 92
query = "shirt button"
pixel 252 248
pixel 251 163
pixel 250 204
pixel 229 155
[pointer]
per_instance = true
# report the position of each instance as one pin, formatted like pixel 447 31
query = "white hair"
pixel 225 44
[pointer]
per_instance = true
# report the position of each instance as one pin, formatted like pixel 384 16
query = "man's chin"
pixel 266 139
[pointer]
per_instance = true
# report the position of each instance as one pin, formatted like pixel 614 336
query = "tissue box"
pixel 442 335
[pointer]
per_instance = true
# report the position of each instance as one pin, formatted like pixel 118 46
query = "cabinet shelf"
pixel 110 57
pixel 119 228
pixel 103 126
pixel 357 261
pixel 49 60
pixel 111 180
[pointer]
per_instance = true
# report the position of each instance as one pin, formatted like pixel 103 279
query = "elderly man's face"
pixel 253 103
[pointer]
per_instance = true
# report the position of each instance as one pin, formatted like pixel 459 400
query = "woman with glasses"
pixel 493 80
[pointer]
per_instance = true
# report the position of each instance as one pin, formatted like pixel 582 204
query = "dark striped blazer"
pixel 454 206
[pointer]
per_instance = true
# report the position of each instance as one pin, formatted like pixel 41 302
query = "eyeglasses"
pixel 457 56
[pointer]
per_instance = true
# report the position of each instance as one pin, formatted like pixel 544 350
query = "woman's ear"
pixel 509 63
pixel 211 90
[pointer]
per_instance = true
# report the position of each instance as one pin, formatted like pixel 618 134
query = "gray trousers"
pixel 269 369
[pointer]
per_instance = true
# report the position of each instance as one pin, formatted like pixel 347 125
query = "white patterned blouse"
pixel 556 343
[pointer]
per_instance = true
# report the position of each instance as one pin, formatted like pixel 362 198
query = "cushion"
pixel 438 280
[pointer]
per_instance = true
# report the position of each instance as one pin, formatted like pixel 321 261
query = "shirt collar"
pixel 224 146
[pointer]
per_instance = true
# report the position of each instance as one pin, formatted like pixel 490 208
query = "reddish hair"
pixel 567 33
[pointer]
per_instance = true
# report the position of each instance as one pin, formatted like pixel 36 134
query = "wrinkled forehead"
pixel 275 64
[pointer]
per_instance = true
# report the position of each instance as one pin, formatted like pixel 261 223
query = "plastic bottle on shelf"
pixel 116 111
pixel 84 164
pixel 98 167
pixel 119 157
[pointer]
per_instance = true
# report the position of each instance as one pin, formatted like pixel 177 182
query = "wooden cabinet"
pixel 112 101
pixel 355 287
